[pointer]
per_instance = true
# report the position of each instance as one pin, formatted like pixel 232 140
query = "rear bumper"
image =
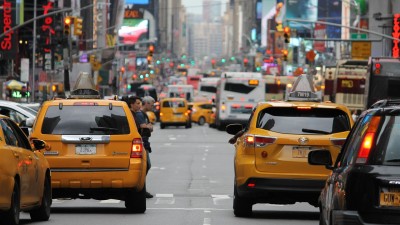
pixel 341 217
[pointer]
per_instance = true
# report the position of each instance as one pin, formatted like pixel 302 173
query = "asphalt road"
pixel 192 182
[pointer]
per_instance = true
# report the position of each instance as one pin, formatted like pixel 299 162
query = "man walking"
pixel 142 121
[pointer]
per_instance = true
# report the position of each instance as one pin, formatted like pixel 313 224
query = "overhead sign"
pixel 8 43
pixel 360 49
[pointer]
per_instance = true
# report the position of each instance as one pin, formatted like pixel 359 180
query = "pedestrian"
pixel 142 121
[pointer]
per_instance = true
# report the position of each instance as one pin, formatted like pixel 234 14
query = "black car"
pixel 364 187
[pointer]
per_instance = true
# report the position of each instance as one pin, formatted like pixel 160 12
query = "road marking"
pixel 110 201
pixel 218 198
pixel 206 221
pixel 204 159
pixel 164 195
pixel 204 166
pixel 191 209
pixel 172 138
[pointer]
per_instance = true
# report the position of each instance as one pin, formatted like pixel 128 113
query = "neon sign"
pixel 8 43
pixel 396 34
pixel 46 27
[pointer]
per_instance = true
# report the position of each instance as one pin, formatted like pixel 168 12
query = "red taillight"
pixel 251 184
pixel 368 140
pixel 248 106
pixel 338 141
pixel 259 141
pixel 137 148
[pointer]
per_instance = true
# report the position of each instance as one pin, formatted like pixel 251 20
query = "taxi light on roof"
pixel 86 103
pixel 253 82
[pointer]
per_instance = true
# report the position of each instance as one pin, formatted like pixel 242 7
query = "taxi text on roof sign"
pixel 303 90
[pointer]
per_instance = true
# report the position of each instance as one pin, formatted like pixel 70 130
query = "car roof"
pixel 172 99
pixel 72 101
pixel 17 106
pixel 301 103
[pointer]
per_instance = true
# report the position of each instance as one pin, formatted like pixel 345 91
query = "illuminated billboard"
pixel 302 9
pixel 133 31
pixel 137 2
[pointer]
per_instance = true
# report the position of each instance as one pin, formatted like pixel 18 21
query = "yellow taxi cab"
pixel 271 151
pixel 201 112
pixel 152 116
pixel 174 112
pixel 96 150
pixel 25 181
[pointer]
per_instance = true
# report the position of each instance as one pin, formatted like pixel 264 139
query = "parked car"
pixel 364 184
pixel 17 112
pixel 25 181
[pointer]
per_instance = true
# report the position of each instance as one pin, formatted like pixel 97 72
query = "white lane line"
pixel 110 201
pixel 218 198
pixel 204 159
pixel 206 221
pixel 166 199
pixel 204 166
pixel 164 195
pixel 168 144
pixel 172 138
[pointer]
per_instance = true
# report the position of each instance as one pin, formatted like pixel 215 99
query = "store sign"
pixel 47 27
pixel 133 14
pixel 8 43
pixel 396 34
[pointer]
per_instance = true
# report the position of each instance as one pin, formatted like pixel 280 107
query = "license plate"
pixel 85 149
pixel 300 152
pixel 390 199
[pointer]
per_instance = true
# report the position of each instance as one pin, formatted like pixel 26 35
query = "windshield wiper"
pixel 314 131
pixel 103 129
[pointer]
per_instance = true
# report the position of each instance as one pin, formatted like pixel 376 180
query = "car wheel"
pixel 162 126
pixel 43 212
pixel 135 201
pixel 202 121
pixel 11 217
pixel 241 206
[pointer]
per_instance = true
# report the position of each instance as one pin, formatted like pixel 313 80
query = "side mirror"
pixel 234 128
pixel 40 144
pixel 27 123
pixel 145 132
pixel 321 158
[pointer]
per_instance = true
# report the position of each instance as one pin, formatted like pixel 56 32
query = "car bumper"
pixel 341 217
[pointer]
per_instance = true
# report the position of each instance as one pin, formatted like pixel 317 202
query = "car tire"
pixel 241 206
pixel 162 126
pixel 188 125
pixel 43 212
pixel 11 217
pixel 135 201
pixel 202 121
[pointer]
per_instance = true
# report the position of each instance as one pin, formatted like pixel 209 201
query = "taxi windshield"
pixel 303 121
pixel 173 104
pixel 88 120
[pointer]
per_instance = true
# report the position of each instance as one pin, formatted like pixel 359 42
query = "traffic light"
pixel 78 26
pixel 122 69
pixel 151 50
pixel 377 69
pixel 286 34
pixel 213 63
pixel 223 60
pixel 285 54
pixel 245 62
pixel 67 25
pixel 134 76
pixel 149 59
pixel 54 88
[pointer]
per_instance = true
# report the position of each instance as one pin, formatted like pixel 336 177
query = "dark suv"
pixel 364 187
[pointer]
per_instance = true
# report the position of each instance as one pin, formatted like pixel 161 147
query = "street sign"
pixel 360 49
pixel 358 36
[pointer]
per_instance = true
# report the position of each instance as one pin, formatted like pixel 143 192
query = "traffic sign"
pixel 361 36
pixel 360 49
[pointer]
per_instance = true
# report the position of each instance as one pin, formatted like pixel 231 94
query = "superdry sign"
pixel 8 42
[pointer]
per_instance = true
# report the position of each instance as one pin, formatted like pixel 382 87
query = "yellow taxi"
pixel 96 150
pixel 201 112
pixel 25 181
pixel 174 112
pixel 271 151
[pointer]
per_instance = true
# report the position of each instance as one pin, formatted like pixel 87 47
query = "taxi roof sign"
pixel 84 87
pixel 303 90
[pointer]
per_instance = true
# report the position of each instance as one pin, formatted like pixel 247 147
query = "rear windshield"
pixel 303 121
pixel 173 104
pixel 88 120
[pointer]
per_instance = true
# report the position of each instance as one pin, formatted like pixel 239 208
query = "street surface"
pixel 192 182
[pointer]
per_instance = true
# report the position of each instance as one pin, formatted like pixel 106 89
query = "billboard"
pixel 302 9
pixel 137 2
pixel 331 11
pixel 8 43
pixel 133 31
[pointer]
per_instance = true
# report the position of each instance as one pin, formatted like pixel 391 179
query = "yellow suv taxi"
pixel 25 181
pixel 271 151
pixel 201 112
pixel 96 150
pixel 174 112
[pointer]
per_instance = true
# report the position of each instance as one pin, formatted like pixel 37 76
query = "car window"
pixel 387 150
pixel 86 120
pixel 9 135
pixel 22 141
pixel 238 87
pixel 303 121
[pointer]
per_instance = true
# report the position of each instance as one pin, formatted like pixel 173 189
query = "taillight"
pixel 259 141
pixel 137 148
pixel 338 141
pixel 368 140
pixel 161 114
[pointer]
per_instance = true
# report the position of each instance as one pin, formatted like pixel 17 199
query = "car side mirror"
pixel 320 157
pixel 40 144
pixel 234 128
pixel 145 132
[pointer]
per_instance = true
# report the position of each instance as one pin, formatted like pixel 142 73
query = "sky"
pixel 195 6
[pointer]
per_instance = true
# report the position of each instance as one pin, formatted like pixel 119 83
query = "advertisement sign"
pixel 333 15
pixel 319 32
pixel 8 43
pixel 302 9
pixel 133 31
pixel 137 2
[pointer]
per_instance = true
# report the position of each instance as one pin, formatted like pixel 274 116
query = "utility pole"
pixel 32 82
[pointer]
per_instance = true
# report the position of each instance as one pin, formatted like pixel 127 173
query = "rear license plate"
pixel 390 199
pixel 85 149
pixel 300 152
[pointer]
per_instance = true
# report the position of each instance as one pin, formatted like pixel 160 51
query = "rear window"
pixel 238 87
pixel 303 121
pixel 173 104
pixel 87 120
